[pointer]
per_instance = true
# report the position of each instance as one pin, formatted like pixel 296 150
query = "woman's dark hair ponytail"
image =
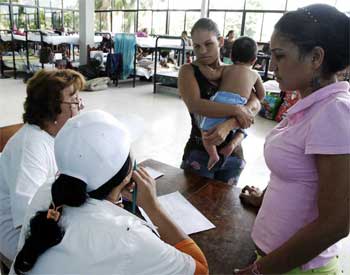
pixel 45 233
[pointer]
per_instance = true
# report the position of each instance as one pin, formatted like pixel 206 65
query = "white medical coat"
pixel 26 163
pixel 102 238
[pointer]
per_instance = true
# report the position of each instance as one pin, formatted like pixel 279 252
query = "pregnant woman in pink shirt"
pixel 304 210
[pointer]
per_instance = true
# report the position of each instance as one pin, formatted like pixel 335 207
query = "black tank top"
pixel 207 90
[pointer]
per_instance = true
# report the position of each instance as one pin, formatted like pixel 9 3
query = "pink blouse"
pixel 318 124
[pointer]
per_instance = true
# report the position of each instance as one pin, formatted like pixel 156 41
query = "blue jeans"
pixel 228 169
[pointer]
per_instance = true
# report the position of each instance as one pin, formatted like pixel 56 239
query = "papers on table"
pixel 153 173
pixel 187 217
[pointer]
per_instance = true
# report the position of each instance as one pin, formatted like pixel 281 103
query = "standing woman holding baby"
pixel 196 91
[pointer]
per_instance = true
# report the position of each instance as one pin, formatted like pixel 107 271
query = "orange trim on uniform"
pixel 189 247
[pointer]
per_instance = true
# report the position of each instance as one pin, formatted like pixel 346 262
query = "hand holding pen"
pixel 146 196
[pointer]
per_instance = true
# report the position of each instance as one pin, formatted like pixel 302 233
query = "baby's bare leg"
pixel 212 152
pixel 236 140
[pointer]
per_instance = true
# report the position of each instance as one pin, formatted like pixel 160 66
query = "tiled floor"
pixel 161 123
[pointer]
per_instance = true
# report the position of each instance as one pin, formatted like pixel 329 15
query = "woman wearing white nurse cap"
pixel 82 231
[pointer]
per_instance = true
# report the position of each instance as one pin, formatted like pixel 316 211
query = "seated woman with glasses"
pixel 28 160
pixel 75 225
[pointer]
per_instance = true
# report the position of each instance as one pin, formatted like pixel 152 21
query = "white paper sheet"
pixel 187 217
pixel 155 174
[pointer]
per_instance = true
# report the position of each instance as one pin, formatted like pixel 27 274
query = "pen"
pixel 134 193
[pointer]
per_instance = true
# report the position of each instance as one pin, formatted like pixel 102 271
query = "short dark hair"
pixel 244 49
pixel 206 24
pixel 319 25
pixel 44 94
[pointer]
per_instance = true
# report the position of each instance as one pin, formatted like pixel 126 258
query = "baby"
pixel 237 82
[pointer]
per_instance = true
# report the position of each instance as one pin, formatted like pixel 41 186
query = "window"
pixel 295 4
pixel 227 4
pixel 18 17
pixel 105 21
pixel 233 21
pixel 31 18
pixel 123 21
pixel 185 4
pixel 270 19
pixel 145 20
pixel 68 20
pixel 25 18
pixel 23 2
pixel 177 22
pixel 56 4
pixel 45 19
pixel 124 4
pixel 259 26
pixel 219 18
pixel 103 4
pixel 71 4
pixel 117 23
pixel 153 4
pixel 266 4
pixel 158 22
pixel 191 18
pixel 44 3
pixel 56 16
pixel 76 21
pixel 97 21
pixel 4 17
pixel 253 25
pixel 129 20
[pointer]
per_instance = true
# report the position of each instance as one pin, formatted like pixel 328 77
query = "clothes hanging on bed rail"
pixel 124 44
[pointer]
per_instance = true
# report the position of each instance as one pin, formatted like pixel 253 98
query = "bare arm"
pixel 219 133
pixel 253 104
pixel 259 88
pixel 190 93
pixel 210 73
pixel 331 225
pixel 147 199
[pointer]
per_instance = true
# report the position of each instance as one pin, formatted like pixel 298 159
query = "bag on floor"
pixel 270 105
pixel 289 99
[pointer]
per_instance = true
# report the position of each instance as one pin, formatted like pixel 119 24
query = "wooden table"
pixel 227 246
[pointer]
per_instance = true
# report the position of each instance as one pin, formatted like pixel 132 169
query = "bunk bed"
pixel 12 54
pixel 169 77
pixel 19 59
pixel 5 41
pixel 149 67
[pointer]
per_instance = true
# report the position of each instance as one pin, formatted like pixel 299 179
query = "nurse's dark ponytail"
pixel 44 230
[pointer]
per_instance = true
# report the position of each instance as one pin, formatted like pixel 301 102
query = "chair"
pixel 6 132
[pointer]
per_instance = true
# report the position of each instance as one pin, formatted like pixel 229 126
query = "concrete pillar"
pixel 86 27
pixel 204 8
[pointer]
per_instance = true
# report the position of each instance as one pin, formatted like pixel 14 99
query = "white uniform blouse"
pixel 102 238
pixel 26 163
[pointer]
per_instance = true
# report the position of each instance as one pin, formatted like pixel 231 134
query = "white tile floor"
pixel 162 123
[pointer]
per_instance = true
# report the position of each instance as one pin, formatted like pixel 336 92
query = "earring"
pixel 55 122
